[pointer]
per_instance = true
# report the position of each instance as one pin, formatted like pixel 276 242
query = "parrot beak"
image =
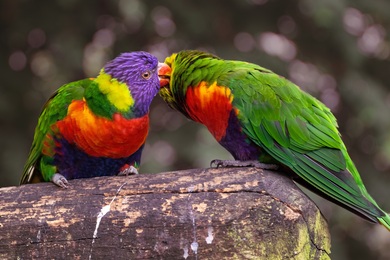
pixel 164 74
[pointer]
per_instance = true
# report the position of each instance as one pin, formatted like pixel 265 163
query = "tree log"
pixel 228 213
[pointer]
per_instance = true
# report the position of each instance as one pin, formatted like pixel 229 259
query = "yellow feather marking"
pixel 210 105
pixel 208 92
pixel 170 59
pixel 117 93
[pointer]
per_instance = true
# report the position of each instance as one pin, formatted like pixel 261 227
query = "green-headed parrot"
pixel 96 126
pixel 260 116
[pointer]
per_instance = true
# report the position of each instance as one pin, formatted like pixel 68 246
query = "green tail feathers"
pixel 385 221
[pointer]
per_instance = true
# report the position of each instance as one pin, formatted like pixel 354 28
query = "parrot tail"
pixel 385 221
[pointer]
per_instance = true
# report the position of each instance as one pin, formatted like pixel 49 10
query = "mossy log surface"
pixel 228 213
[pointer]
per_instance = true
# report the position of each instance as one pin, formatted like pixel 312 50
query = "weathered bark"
pixel 230 213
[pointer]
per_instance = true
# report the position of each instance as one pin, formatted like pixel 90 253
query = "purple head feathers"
pixel 139 71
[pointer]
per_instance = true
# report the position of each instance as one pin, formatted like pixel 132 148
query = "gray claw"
pixel 128 171
pixel 60 180
pixel 217 163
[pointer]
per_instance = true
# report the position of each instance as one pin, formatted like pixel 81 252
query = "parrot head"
pixel 180 71
pixel 138 70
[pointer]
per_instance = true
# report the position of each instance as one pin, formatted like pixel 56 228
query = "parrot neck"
pixel 117 93
pixel 107 96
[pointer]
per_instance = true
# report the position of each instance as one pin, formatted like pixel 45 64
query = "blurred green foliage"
pixel 339 51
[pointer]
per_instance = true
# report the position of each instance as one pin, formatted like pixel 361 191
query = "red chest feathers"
pixel 102 137
pixel 210 105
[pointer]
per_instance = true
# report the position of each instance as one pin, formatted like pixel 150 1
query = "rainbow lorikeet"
pixel 260 116
pixel 96 126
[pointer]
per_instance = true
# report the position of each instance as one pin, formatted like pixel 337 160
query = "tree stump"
pixel 228 213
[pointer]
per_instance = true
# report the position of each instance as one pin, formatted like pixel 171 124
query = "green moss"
pixel 263 239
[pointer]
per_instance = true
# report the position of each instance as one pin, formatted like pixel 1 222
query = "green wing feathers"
pixel 55 109
pixel 300 132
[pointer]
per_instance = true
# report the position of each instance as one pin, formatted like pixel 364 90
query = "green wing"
pixel 299 131
pixel 54 110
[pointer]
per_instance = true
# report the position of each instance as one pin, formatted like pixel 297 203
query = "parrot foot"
pixel 60 181
pixel 128 170
pixel 236 163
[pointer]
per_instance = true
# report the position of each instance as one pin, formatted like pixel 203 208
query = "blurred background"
pixel 339 51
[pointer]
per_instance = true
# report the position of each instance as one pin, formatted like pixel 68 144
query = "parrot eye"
pixel 146 74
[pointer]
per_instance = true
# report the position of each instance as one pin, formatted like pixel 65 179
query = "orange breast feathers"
pixel 101 137
pixel 210 105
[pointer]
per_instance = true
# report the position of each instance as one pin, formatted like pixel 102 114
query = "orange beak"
pixel 164 74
